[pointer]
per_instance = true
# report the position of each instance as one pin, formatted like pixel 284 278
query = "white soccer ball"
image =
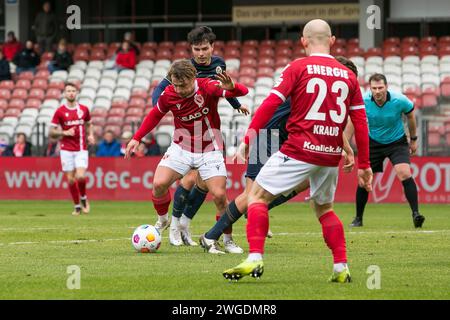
pixel 146 238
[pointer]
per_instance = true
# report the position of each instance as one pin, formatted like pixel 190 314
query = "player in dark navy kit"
pixel 274 135
pixel 191 192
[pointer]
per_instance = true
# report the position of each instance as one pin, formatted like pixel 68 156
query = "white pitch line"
pixel 275 234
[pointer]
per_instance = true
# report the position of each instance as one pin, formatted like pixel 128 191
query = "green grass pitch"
pixel 40 239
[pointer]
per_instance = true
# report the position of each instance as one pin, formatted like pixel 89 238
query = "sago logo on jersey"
pixel 321 148
pixel 196 115
pixel 74 122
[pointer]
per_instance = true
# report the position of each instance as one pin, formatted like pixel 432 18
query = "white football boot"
pixel 232 247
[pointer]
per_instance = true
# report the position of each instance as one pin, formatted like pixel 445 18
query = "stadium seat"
pixel 12 112
pixel 19 94
pixel 99 112
pixel 53 94
pixel 137 103
pixel 126 83
pixel 90 83
pixel 23 84
pixel 3 104
pixel 445 87
pixel 139 93
pixel 121 94
pixel 56 84
pixel 7 84
pixel 103 103
pixel 136 112
pixel 116 112
pixel 33 103
pixel 93 73
pixel 119 104
pixel 16 104
pixel 429 98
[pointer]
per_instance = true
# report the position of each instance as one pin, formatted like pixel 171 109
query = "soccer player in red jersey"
pixel 76 129
pixel 323 94
pixel 197 138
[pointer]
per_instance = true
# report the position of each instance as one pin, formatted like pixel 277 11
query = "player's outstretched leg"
pixel 81 182
pixel 179 202
pixel 75 193
pixel 257 226
pixel 209 240
pixel 194 201
pixel 333 234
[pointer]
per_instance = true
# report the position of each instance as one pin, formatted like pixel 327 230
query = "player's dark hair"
pixel 201 34
pixel 182 70
pixel 348 63
pixel 378 77
pixel 70 84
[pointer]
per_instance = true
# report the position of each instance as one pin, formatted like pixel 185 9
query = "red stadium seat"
pixel 268 43
pixel 47 56
pixel 392 41
pixel 181 54
pixel 266 52
pixel 266 62
pixel 19 94
pixel 17 104
pixel 147 54
pixel 233 44
pixel 429 99
pixel 219 44
pixel 136 103
pixel 37 93
pixel 81 55
pixel 53 94
pixel 27 75
pixel 183 45
pixel 150 45
pixel 136 112
pixel 434 139
pixel 166 45
pixel 97 54
pixel 33 103
pixel 42 74
pixel 353 41
pixel 391 51
pixel 355 52
pixel 282 62
pixel 372 52
pixel 7 84
pixel 164 54
pixel 5 94
pixel 336 51
pixel 3 104
pixel 23 84
pixel 139 93
pixel 84 46
pixel 247 81
pixel 445 87
pixel 116 112
pixel 428 41
pixel 39 83
pixel 248 62
pixel 409 51
pixel 283 52
pixel 133 119
pixel 101 45
pixel 248 52
pixel 285 42
pixel 265 72
pixel 99 112
pixel 56 85
pixel 114 120
pixel 249 72
pixel 410 40
pixel 427 50
pixel 251 43
pixel 98 120
pixel 12 112
pixel 119 104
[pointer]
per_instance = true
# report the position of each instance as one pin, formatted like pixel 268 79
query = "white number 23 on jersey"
pixel 314 113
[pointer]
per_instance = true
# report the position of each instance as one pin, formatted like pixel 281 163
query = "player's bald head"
pixel 317 31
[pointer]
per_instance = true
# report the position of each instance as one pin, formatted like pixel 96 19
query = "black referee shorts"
pixel 397 152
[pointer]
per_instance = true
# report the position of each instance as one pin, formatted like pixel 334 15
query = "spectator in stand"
pixel 152 146
pixel 126 57
pixel 128 37
pixel 53 147
pixel 21 148
pixel 5 73
pixel 141 151
pixel 11 46
pixel 45 28
pixel 109 147
pixel 3 145
pixel 126 137
pixel 27 59
pixel 62 59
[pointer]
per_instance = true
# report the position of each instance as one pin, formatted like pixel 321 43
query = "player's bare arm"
pixel 90 133
pixel 57 133
pixel 412 132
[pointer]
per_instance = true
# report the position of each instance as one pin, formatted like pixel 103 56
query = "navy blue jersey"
pixel 269 140
pixel 216 66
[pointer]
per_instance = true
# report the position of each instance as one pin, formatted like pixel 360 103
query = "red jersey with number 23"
pixel 323 93
pixel 75 118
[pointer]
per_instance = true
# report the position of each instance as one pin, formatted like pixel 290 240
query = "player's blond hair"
pixel 182 70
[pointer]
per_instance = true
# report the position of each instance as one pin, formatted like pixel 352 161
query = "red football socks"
pixel 333 234
pixel 257 226
pixel 161 204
